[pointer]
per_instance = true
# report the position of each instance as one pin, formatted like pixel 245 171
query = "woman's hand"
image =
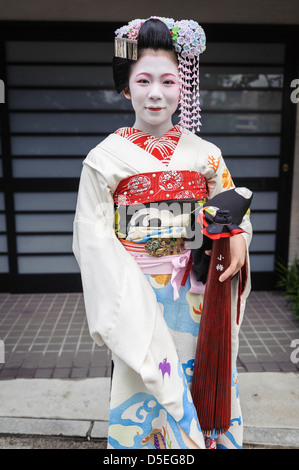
pixel 238 256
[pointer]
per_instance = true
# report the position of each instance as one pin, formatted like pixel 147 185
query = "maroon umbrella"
pixel 211 385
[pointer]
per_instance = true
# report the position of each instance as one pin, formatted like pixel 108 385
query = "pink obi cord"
pixel 176 265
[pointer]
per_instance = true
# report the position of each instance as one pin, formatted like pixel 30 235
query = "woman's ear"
pixel 126 93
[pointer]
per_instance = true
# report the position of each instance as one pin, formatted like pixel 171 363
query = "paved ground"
pixel 50 442
pixel 29 442
pixel 46 336
pixel 79 408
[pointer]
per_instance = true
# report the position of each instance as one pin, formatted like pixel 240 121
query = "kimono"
pixel 145 309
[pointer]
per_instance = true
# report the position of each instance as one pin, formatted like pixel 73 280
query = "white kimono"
pixel 150 397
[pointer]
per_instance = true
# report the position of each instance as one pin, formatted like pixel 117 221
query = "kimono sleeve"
pixel 120 304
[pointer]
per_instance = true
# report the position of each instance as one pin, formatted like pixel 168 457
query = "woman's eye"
pixel 168 82
pixel 143 80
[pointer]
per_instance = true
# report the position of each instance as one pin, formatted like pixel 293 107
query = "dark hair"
pixel 153 34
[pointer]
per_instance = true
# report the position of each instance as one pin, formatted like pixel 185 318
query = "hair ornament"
pixel 189 42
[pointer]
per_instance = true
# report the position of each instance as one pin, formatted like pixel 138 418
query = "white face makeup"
pixel 154 91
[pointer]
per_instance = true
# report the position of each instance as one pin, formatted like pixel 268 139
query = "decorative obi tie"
pixel 164 246
pixel 178 265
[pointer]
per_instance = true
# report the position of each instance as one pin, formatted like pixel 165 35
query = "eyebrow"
pixel 143 73
pixel 169 73
pixel 163 75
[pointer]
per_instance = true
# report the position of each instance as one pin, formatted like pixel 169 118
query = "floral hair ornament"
pixel 189 42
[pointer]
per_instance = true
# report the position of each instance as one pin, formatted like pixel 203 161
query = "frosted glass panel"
pixel 256 53
pixel 247 145
pixel 59 51
pixel 235 123
pixel 58 168
pixel 263 242
pixel 44 223
pixel 68 99
pixel 47 264
pixel 253 167
pixel 44 244
pixel 52 146
pixel 3 243
pixel 45 201
pixel 241 76
pixel 2 204
pixel 4 264
pixel 241 100
pixel 2 223
pixel 1 170
pixel 59 75
pixel 262 263
pixel 63 51
pixel 64 122
pixel 264 200
pixel 2 91
pixel 263 221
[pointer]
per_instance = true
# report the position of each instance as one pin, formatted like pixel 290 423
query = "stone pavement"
pixel 78 408
pixel 46 339
pixel 46 336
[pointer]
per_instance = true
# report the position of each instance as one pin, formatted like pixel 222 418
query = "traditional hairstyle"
pixel 153 34
pixel 184 39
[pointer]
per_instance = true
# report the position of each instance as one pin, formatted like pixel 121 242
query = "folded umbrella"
pixel 211 385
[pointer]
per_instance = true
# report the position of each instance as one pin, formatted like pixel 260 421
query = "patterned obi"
pixel 153 212
pixel 157 204
pixel 160 186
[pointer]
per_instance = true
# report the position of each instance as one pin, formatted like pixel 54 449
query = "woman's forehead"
pixel 154 62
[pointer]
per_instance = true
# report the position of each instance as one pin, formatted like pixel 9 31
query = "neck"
pixel 156 131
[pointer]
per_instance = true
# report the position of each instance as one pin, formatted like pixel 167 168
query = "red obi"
pixel 160 186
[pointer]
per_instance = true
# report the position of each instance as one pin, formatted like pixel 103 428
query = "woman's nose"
pixel 155 92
